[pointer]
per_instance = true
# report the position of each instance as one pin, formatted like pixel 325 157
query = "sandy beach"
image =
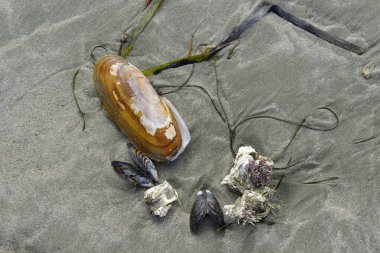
pixel 58 191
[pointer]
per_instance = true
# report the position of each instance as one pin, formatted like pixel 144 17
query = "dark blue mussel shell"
pixel 143 161
pixel 132 173
pixel 205 204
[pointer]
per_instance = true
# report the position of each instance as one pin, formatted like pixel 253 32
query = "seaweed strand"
pixel 254 17
pixel 81 113
pixel 279 182
pixel 219 100
pixel 299 125
pixel 180 86
pixel 127 43
pixel 194 86
pixel 93 57
pixel 191 41
pixel 365 140
pixel 288 166
pixel 232 132
pixel 197 58
pixel 335 40
pixel 177 87
pixel 322 180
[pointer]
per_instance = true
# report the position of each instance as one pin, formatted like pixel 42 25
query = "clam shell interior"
pixel 185 133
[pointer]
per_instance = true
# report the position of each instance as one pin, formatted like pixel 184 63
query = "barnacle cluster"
pixel 251 176
pixel 250 170
pixel 252 207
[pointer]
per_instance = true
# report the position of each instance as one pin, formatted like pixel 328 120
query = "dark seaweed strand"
pixel 218 96
pixel 198 87
pixel 231 131
pixel 365 140
pixel 299 125
pixel 279 182
pixel 73 83
pixel 322 180
pixel 177 87
pixel 289 165
pixel 311 128
pixel 92 56
pixel 183 84
pixel 316 31
pixel 268 7
pixel 255 16
pixel 81 113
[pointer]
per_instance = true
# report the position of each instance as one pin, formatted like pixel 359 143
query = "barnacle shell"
pixel 252 207
pixel 159 198
pixel 152 123
pixel 250 170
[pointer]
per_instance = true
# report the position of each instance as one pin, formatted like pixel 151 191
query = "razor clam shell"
pixel 185 133
pixel 135 107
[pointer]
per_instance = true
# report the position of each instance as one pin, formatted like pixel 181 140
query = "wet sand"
pixel 58 192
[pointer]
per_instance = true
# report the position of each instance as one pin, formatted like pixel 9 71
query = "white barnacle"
pixel 160 197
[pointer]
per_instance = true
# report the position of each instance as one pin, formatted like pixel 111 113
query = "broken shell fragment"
pixel 151 123
pixel 132 174
pixel 250 170
pixel 205 204
pixel 143 161
pixel 252 207
pixel 159 198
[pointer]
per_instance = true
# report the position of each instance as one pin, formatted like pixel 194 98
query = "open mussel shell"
pixel 151 123
pixel 205 204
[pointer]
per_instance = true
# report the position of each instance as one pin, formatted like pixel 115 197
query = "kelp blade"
pixel 139 29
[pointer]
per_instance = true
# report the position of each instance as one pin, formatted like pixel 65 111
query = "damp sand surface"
pixel 58 192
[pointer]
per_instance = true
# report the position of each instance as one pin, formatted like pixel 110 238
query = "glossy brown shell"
pixel 136 108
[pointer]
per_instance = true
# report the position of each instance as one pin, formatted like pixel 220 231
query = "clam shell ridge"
pixel 152 123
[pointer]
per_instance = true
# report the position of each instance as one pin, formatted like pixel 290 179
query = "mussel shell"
pixel 136 108
pixel 143 161
pixel 132 173
pixel 205 204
